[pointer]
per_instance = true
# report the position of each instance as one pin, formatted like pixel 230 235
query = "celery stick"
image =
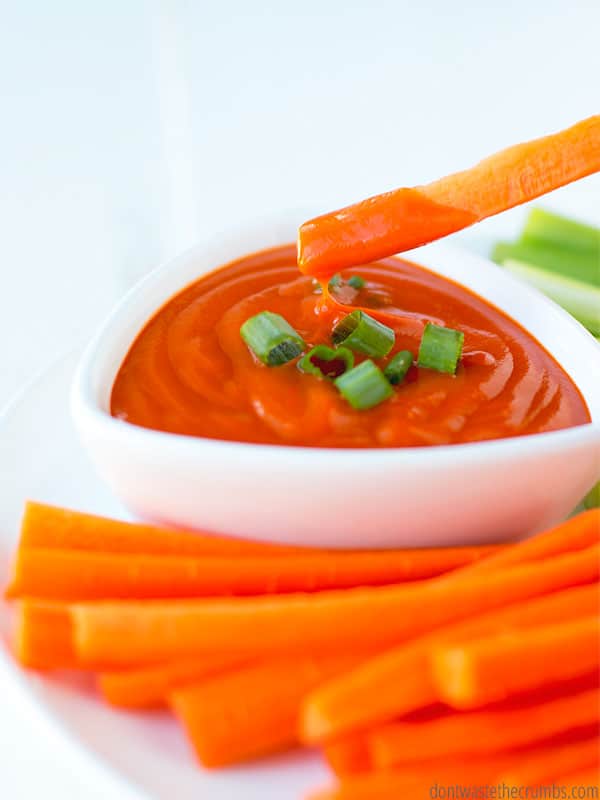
pixel 579 299
pixel 576 264
pixel 544 226
pixel 592 498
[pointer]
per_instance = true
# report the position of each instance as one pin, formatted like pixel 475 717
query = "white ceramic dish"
pixel 481 492
pixel 99 752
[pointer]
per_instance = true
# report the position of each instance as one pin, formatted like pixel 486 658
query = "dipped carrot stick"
pixel 508 662
pixel 485 731
pixel 53 527
pixel 405 218
pixel 82 575
pixel 251 711
pixel 149 687
pixel 366 618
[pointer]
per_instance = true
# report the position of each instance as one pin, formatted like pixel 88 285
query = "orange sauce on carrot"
pixel 190 372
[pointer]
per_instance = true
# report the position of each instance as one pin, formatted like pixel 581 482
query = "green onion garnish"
pixel 335 280
pixel 440 348
pixel 271 338
pixel 325 362
pixel 356 282
pixel 398 366
pixel 362 333
pixel 364 386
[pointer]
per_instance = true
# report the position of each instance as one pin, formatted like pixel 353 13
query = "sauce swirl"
pixel 190 372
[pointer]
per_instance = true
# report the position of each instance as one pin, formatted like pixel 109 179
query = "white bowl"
pixel 456 494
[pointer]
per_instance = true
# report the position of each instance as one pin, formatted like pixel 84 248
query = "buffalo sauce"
pixel 190 372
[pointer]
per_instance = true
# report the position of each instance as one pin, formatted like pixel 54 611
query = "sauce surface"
pixel 190 372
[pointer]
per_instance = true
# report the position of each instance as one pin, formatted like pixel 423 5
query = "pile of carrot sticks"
pixel 462 665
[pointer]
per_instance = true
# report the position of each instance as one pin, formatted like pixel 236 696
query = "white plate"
pixel 145 755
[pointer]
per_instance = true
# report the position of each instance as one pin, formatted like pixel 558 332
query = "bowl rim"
pixel 86 410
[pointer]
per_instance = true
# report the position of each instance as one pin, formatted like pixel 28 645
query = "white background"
pixel 128 129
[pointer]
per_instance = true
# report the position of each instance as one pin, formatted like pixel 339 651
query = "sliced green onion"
pixel 398 366
pixel 335 280
pixel 325 362
pixel 271 338
pixel 362 333
pixel 440 348
pixel 356 282
pixel 364 386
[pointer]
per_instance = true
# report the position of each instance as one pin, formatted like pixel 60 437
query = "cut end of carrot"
pixel 11 592
pixel 452 676
pixel 315 726
pixel 44 636
pixel 149 687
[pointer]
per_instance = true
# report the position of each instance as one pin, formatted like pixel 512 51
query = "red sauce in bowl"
pixel 190 372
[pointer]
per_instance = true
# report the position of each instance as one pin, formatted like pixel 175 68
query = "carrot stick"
pixel 358 699
pixel 542 765
pixel 509 662
pixel 365 618
pixel 349 755
pixel 148 687
pixel 43 639
pixel 415 781
pixel 399 681
pixel 405 218
pixel 78 575
pixel 44 636
pixel 589 778
pixel 251 711
pixel 525 767
pixel 576 533
pixel 485 731
pixel 61 528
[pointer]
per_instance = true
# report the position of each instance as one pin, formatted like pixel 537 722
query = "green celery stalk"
pixel 580 265
pixel 553 229
pixel 579 299
pixel 592 498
